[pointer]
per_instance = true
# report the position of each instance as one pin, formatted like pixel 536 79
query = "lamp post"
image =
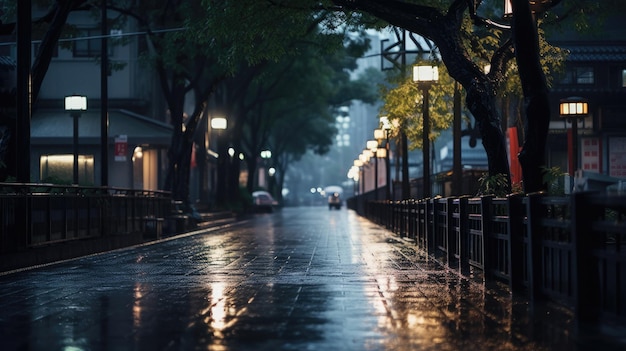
pixel 425 76
pixel 75 104
pixel 372 145
pixel 220 124
pixel 385 128
pixel 265 155
pixel 573 108
pixel 353 174
pixel 364 159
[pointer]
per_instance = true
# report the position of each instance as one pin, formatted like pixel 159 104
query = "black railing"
pixel 74 220
pixel 569 249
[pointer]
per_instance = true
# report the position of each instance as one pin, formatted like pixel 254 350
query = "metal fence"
pixel 569 249
pixel 36 217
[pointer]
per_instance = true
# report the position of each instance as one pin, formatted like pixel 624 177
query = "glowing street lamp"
pixel 380 134
pixel 219 123
pixel 425 76
pixel 573 109
pixel 75 104
pixel 372 145
pixel 222 189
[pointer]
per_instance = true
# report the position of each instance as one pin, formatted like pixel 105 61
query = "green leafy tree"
pixel 403 103
pixel 293 100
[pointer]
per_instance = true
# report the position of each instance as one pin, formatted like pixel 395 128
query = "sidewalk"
pixel 298 279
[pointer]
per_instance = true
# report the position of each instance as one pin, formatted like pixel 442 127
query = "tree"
pixel 213 31
pixel 290 103
pixel 443 23
pixel 403 104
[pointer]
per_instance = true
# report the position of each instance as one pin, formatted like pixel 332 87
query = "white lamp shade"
pixel 372 145
pixel 75 103
pixel 425 73
pixel 379 134
pixel 508 8
pixel 219 123
pixel 384 121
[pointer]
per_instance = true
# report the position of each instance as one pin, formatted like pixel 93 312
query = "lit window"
pixel 624 78
pixel 59 169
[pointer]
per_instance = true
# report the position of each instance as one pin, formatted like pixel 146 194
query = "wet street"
pixel 298 279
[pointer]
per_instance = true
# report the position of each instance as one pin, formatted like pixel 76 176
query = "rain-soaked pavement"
pixel 298 279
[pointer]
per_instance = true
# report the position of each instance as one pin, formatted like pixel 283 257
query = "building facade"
pixel 595 71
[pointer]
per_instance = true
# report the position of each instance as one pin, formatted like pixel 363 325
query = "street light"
pixel 359 165
pixel 508 9
pixel 372 145
pixel 75 104
pixel 380 134
pixel 573 108
pixel 265 155
pixel 426 76
pixel 220 124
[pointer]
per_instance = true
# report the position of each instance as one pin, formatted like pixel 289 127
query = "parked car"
pixel 262 201
pixel 334 200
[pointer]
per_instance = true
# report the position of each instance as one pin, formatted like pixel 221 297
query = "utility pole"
pixel 104 99
pixel 24 92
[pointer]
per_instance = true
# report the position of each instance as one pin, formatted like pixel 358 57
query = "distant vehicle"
pixel 334 200
pixel 263 201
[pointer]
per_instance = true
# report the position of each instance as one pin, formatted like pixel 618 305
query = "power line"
pixel 114 35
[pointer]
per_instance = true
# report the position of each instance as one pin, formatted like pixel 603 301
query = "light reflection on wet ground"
pixel 298 279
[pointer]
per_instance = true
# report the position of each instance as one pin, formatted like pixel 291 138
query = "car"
pixel 334 200
pixel 262 201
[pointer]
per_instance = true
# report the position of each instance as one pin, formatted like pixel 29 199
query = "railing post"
pixel 487 222
pixel 584 267
pixel 534 258
pixel 450 233
pixel 516 242
pixel 414 220
pixel 429 225
pixel 463 240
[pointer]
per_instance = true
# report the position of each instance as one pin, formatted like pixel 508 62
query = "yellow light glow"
pixel 379 134
pixel 372 145
pixel 573 106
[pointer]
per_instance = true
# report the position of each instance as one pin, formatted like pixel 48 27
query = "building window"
pixel 37 47
pixel 88 47
pixel 623 78
pixel 578 76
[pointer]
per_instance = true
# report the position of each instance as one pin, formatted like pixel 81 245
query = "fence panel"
pixel 497 244
pixel 475 243
pixel 571 250
pixel 440 227
pixel 460 231
pixel 422 227
pixel 600 236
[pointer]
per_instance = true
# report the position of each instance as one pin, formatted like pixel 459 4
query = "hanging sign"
pixel 121 148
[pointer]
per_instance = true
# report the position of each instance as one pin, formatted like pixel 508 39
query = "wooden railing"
pixel 568 249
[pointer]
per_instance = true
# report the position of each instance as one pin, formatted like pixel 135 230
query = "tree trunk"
pixel 532 156
pixel 252 168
